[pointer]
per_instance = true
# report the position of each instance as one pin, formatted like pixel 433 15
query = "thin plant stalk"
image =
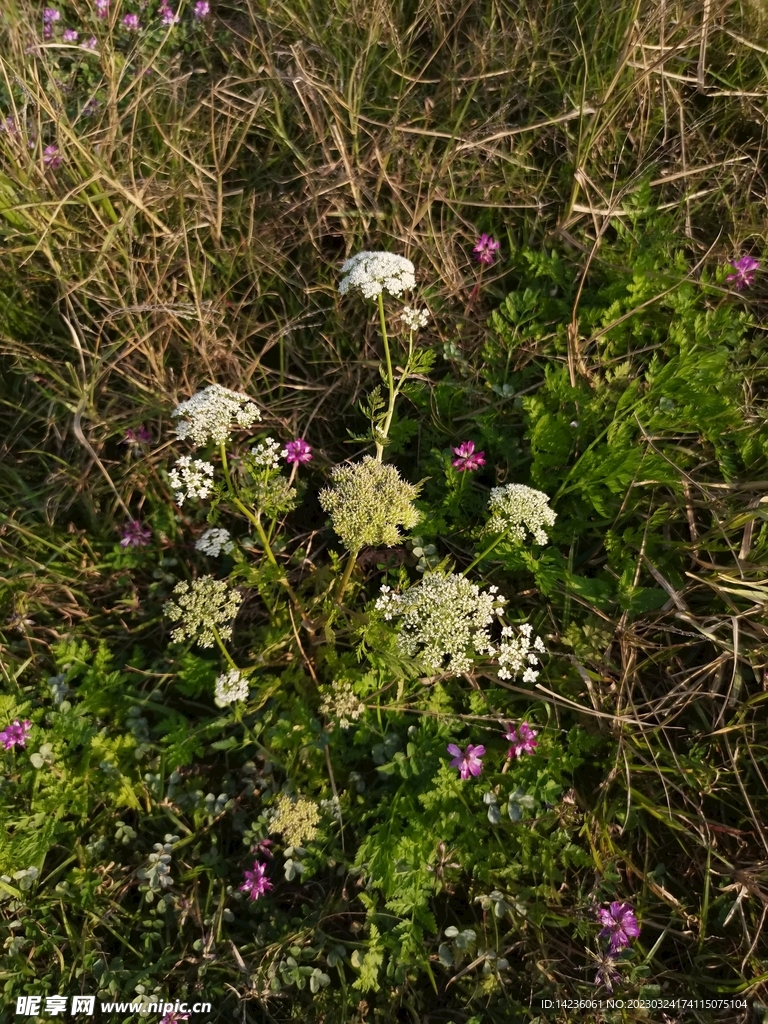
pixel 484 553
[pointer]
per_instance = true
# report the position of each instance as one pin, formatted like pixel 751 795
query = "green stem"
pixel 268 550
pixel 390 380
pixel 484 553
pixel 347 573
pixel 224 650
pixel 225 466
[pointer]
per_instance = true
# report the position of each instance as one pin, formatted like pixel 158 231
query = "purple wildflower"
pixel 202 9
pixel 51 157
pixel 607 974
pixel 522 739
pixel 263 847
pixel 15 734
pixel 745 272
pixel 468 458
pixel 135 534
pixel 298 451
pixel 50 14
pixel 619 924
pixel 9 126
pixel 167 16
pixel 256 883
pixel 485 249
pixel 469 763
pixel 91 45
pixel 47 31
pixel 69 35
pixel 102 8
pixel 174 1017
pixel 131 22
pixel 140 435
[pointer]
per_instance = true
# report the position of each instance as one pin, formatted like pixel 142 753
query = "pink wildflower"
pixel 523 739
pixel 263 847
pixel 469 763
pixel 745 272
pixel 102 8
pixel 297 451
pixel 135 534
pixel 202 9
pixel 485 249
pixel 69 35
pixel 138 436
pixel 167 16
pixel 256 883
pixel 620 925
pixel 131 22
pixel 50 14
pixel 51 157
pixel 15 734
pixel 91 44
pixel 174 1017
pixel 468 458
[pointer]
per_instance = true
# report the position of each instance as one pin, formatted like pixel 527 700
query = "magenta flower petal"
pixel 468 459
pixel 298 451
pixel 15 734
pixel 469 763
pixel 619 926
pixel 256 883
pixel 486 248
pixel 745 272
pixel 135 534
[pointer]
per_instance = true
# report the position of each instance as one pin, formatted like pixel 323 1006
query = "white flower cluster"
pixel 515 507
pixel 191 479
pixel 267 453
pixel 214 541
pixel 443 617
pixel 414 318
pixel 342 704
pixel 208 415
pixel 377 272
pixel 516 653
pixel 203 606
pixel 230 687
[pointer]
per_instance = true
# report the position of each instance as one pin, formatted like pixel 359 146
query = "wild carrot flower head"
pixel 341 704
pixel 486 248
pixel 208 415
pixel 202 9
pixel 135 534
pixel 619 925
pixel 214 541
pixel 297 451
pixel 51 157
pixel 191 478
pixel 131 22
pixel 203 606
pixel 15 734
pixel 516 653
pixel 467 459
pixel 515 507
pixel 230 686
pixel 375 272
pixel 256 883
pixel 414 318
pixel 468 763
pixel 296 820
pixel 522 738
pixel 266 454
pixel 745 272
pixel 444 620
pixel 367 503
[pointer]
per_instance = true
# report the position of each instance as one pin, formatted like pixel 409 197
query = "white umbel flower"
pixel 191 479
pixel 230 687
pixel 267 453
pixel 342 704
pixel 516 653
pixel 414 318
pixel 214 541
pixel 443 617
pixel 203 606
pixel 208 415
pixel 376 272
pixel 515 507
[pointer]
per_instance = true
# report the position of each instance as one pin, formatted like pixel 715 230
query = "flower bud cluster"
pixel 296 820
pixel 515 507
pixel 342 704
pixel 444 620
pixel 367 503
pixel 208 415
pixel 203 606
pixel 414 318
pixel 266 454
